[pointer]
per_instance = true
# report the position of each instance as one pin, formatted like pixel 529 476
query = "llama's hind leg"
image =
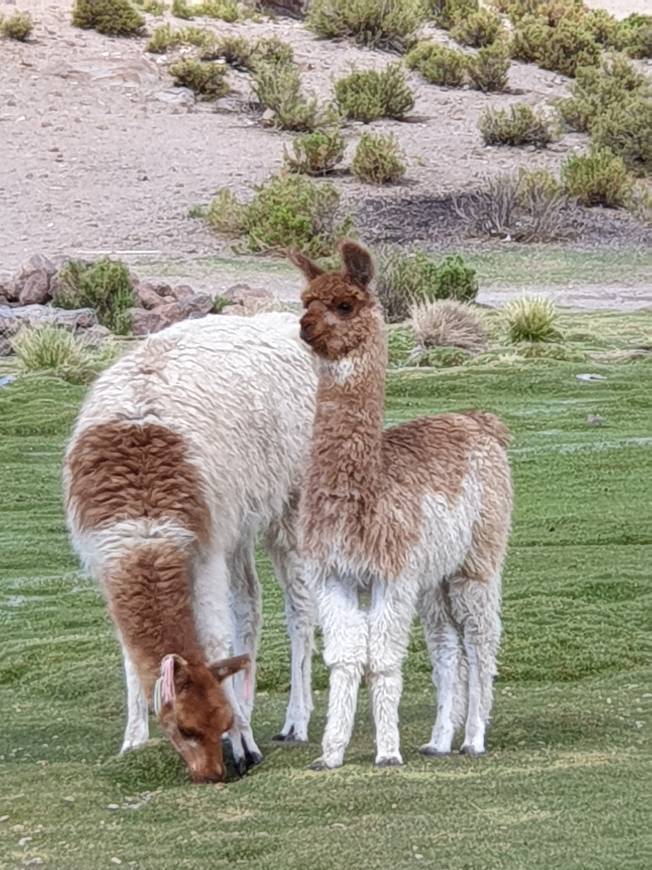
pixel 300 615
pixel 390 617
pixel 449 672
pixel 475 605
pixel 137 728
pixel 344 627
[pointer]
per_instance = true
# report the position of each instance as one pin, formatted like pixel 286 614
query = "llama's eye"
pixel 188 734
pixel 344 308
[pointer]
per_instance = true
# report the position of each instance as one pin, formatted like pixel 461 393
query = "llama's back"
pixel 220 406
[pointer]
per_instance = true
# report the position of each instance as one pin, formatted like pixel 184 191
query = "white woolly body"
pixel 240 391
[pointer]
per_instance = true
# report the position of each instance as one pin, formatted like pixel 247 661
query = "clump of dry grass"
pixel 449 323
pixel 51 349
pixel 18 26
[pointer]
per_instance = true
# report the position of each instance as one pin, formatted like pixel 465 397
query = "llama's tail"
pixel 491 425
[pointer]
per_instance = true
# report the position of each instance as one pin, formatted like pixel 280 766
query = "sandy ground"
pixel 98 155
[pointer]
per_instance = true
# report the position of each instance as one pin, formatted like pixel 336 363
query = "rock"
pixel 240 294
pixel 8 289
pixel 182 292
pixel 145 322
pixel 4 301
pixel 31 286
pixel 293 8
pixel 13 319
pixel 180 97
pixel 147 296
pixel 237 310
pixel 97 335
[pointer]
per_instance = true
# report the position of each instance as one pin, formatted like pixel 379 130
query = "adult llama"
pixel 186 451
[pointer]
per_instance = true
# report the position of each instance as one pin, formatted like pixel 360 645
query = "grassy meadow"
pixel 566 783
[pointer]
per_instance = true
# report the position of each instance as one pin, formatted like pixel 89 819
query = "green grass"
pixel 566 781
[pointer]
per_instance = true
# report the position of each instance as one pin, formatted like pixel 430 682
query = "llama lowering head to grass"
pixel 418 514
pixel 186 451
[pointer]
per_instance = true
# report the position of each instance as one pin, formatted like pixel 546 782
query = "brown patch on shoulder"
pixel 120 471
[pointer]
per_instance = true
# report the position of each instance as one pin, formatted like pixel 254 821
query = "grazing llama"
pixel 418 515
pixel 186 450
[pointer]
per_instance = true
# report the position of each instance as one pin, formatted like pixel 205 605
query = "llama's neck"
pixel 346 459
pixel 150 600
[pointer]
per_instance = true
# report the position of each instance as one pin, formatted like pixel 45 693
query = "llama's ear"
pixel 310 270
pixel 227 667
pixel 358 266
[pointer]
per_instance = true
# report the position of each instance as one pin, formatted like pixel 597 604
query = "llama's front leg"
pixel 344 627
pixel 137 728
pixel 390 617
pixel 476 606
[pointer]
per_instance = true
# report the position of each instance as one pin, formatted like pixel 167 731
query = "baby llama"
pixel 186 450
pixel 418 515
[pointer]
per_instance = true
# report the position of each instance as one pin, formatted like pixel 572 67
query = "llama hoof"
pixel 131 745
pixel 291 737
pixel 240 765
pixel 253 759
pixel 389 761
pixel 433 752
pixel 471 752
pixel 320 764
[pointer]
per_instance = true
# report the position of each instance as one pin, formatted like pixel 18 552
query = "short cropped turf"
pixel 566 782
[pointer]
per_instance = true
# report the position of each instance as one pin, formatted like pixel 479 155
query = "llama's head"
pixel 194 712
pixel 341 311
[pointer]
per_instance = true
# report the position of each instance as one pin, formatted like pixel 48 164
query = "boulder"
pixel 234 310
pixel 182 292
pixel 32 284
pixel 15 318
pixel 97 335
pixel 8 289
pixel 147 296
pixel 241 294
pixel 145 322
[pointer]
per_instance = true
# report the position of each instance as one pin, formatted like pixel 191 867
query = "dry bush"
pixel 384 23
pixel 527 207
pixel 634 36
pixel 316 153
pixel 479 29
pixel 489 68
pixel 206 79
pixel 449 323
pixel 448 12
pixel 111 17
pixel 597 178
pixel 518 125
pixel 378 159
pixel 105 286
pixel 438 64
pixel 366 95
pixel 226 214
pixel 625 128
pixel 277 87
pixel 18 26
pixel 53 350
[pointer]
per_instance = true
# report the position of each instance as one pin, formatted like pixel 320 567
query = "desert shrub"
pixel 49 348
pixel 448 12
pixel 625 128
pixel 597 88
pixel 226 214
pixel 598 178
pixel 528 207
pixel 378 159
pixel 152 7
pixel 569 45
pixel 104 286
pixel 489 68
pixel 530 38
pixel 449 323
pixel 316 153
pixel 206 79
pixel 388 23
pixel 111 17
pixel 243 53
pixel 532 318
pixel 601 25
pixel 238 51
pixel 225 10
pixel 219 304
pixel 182 9
pixel 550 11
pixel 18 26
pixel 438 64
pixel 371 94
pixel 478 29
pixel 271 49
pixel 406 278
pixel 518 125
pixel 292 211
pixel 164 38
pixel 634 36
pixel 277 86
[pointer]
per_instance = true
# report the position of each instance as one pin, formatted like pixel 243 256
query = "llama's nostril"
pixel 306 334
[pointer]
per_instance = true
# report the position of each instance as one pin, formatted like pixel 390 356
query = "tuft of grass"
pixel 597 178
pixel 366 95
pixel 518 125
pixel 206 78
pixel 488 70
pixel 625 128
pixel 164 38
pixel 316 153
pixel 378 159
pixel 226 214
pixel 531 318
pixel 51 349
pixel 387 24
pixel 111 17
pixel 449 323
pixel 479 29
pixel 182 9
pixel 18 26
pixel 438 64
pixel 409 277
pixel 105 286
pixel 277 87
